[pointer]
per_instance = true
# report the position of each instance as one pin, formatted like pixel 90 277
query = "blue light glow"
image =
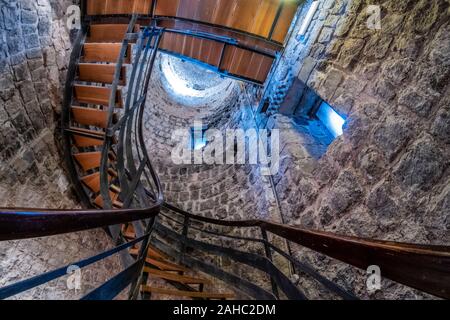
pixel 198 138
pixel 331 119
pixel 199 143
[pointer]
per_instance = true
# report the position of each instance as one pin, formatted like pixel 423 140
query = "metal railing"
pixel 138 208
pixel 422 267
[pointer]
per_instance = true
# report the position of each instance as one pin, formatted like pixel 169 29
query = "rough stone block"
pixel 424 15
pixel 31 41
pixel 441 125
pixel 27 92
pixel 21 72
pixel 44 26
pixel 377 46
pixel 332 80
pixel 393 135
pixel 306 69
pixel 21 122
pixel 34 53
pixel 10 15
pixel 17 59
pixel 13 106
pixel 29 17
pixel 15 44
pixel 416 101
pixel 422 166
pixel 326 35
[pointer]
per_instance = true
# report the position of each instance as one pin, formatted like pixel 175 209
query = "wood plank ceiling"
pixel 259 26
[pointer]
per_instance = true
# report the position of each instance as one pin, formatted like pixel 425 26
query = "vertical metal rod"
pixel 275 21
pixel 120 148
pixel 153 8
pixel 222 55
pixel 104 181
pixel 268 251
pixel 185 234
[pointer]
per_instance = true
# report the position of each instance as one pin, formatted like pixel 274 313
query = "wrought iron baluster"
pixel 104 179
pixel 269 256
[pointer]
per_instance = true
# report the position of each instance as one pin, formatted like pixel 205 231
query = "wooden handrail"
pixel 423 267
pixel 18 224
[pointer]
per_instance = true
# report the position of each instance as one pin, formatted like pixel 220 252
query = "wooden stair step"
pixel 114 196
pixel 88 160
pixel 175 277
pixel 82 141
pixel 96 95
pixel 105 52
pixel 193 294
pixel 115 188
pixel 90 117
pixel 165 265
pixel 128 231
pixel 85 142
pixel 101 73
pixel 108 32
pixel 152 253
pixel 92 181
pixel 129 234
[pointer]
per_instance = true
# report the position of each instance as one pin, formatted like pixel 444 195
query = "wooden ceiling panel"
pixel 257 17
pixel 247 64
pixel 206 51
pixel 236 61
pixel 284 22
pixel 264 18
pixel 167 8
pixel 112 7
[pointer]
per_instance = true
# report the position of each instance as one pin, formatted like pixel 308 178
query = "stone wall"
pixel 387 177
pixel 34 52
pixel 223 191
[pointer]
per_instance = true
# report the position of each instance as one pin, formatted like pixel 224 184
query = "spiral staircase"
pixel 162 247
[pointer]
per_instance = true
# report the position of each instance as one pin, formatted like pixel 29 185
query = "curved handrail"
pixel 19 223
pixel 251 259
pixel 244 285
pixel 301 266
pixel 423 267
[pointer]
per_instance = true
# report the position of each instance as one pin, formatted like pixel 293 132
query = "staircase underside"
pixel 239 39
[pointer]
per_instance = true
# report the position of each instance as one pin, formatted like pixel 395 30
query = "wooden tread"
pixel 165 265
pixel 108 32
pixel 85 142
pixel 96 95
pixel 193 294
pixel 101 73
pixel 114 196
pixel 175 277
pixel 105 52
pixel 88 160
pixel 90 117
pixel 152 253
pixel 128 232
pixel 92 181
